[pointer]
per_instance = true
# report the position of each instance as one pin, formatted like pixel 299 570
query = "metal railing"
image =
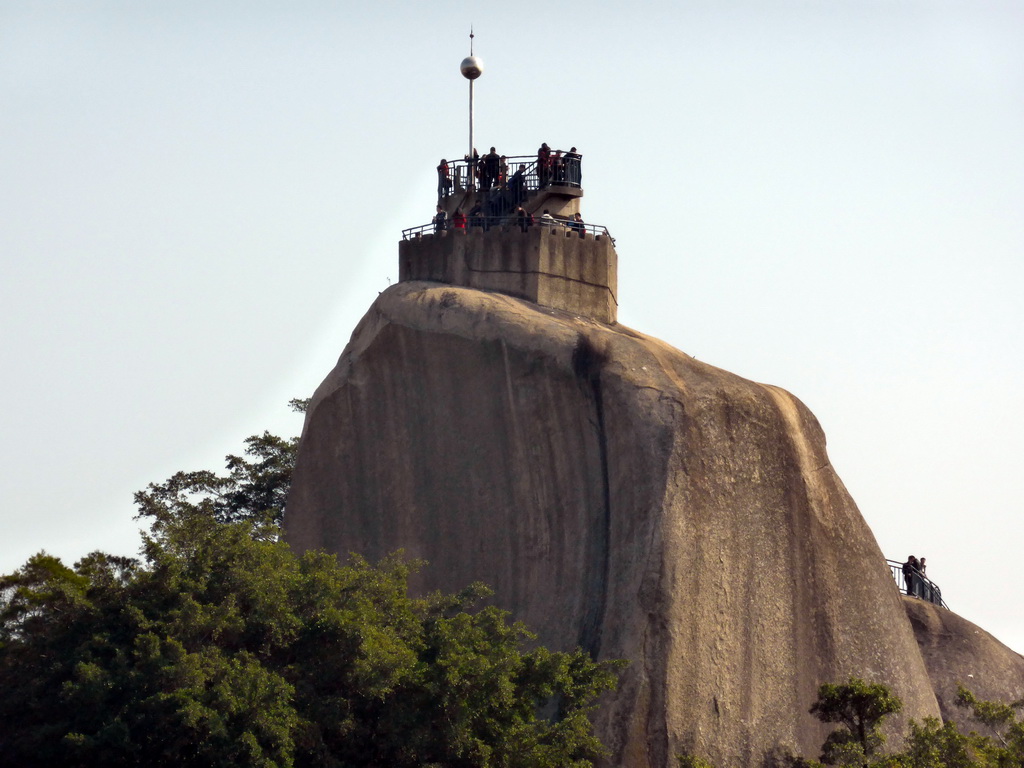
pixel 509 223
pixel 519 175
pixel 920 585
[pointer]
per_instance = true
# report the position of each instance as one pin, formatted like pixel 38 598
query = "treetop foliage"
pixel 254 490
pixel 221 647
pixel 861 707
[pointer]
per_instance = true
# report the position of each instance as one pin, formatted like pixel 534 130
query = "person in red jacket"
pixel 459 220
pixel 543 165
pixel 444 180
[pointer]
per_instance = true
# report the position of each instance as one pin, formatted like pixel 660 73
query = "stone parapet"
pixel 549 265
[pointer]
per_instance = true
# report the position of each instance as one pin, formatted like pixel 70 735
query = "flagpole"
pixel 472 67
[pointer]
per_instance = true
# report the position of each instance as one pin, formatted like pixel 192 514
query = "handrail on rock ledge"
pixel 922 587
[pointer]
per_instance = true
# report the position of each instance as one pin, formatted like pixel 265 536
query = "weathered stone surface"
pixel 619 495
pixel 958 652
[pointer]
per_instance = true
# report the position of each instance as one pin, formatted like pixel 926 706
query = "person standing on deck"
pixel 444 180
pixel 573 174
pixel 910 575
pixel 543 165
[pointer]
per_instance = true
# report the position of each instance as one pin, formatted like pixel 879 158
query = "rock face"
pixel 957 652
pixel 618 495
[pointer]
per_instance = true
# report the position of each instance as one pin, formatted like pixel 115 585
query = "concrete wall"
pixel 551 266
pixel 558 200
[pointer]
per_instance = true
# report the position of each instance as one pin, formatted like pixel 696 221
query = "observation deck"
pixel 556 188
pixel 522 235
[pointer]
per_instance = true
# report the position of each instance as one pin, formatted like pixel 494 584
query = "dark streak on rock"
pixel 587 361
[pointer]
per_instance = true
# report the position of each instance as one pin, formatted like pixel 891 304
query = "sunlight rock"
pixel 618 495
pixel 958 652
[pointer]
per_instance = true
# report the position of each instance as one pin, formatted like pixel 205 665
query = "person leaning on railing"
pixel 518 185
pixel 523 219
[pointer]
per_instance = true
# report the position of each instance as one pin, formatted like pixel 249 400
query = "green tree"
pixel 254 489
pixel 1001 720
pixel 860 708
pixel 220 647
pixel 934 744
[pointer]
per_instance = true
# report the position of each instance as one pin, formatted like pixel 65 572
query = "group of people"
pixel 522 218
pixel 487 172
pixel 917 582
pixel 574 223
pixel 501 194
pixel 459 220
pixel 556 168
pixel 492 172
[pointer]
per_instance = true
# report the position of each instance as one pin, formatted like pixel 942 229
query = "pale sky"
pixel 200 200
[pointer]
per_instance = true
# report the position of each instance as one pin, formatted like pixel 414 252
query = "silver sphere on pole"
pixel 472 67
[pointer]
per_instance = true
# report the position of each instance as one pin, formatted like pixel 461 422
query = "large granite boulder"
pixel 619 495
pixel 957 652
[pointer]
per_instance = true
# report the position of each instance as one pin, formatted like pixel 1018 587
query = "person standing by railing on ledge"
pixel 577 225
pixel 910 575
pixel 573 172
pixel 523 219
pixel 472 169
pixel 558 168
pixel 518 185
pixel 926 590
pixel 543 165
pixel 440 220
pixel 489 178
pixel 444 180
pixel 502 172
pixel 459 220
